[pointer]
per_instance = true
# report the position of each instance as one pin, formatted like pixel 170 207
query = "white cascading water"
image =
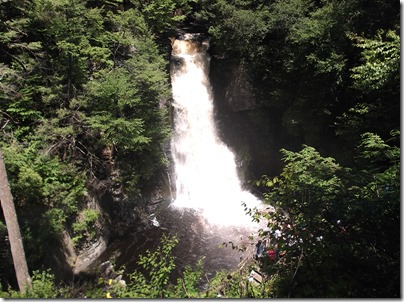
pixel 205 169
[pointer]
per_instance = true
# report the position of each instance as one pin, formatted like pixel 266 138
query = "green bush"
pixel 85 225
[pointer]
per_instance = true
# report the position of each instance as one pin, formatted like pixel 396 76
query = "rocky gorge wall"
pixel 252 131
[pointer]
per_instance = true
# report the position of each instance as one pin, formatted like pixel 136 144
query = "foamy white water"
pixel 205 169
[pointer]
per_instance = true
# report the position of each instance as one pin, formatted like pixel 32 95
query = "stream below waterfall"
pixel 197 239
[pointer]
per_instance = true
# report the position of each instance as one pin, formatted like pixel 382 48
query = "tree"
pixel 381 62
pixel 161 14
pixel 14 234
pixel 339 226
pixel 376 82
pixel 79 78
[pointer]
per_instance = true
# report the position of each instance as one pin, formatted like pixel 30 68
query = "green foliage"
pixel 236 285
pixel 75 33
pixel 152 278
pixel 356 119
pixel 120 132
pixel 381 61
pixel 84 227
pixel 320 32
pixel 37 178
pixel 303 196
pixel 376 79
pixel 43 286
pixel 161 14
pixel 3 228
pixel 158 265
pixel 47 194
pixel 112 93
pixel 237 29
pixel 229 286
pixel 187 286
pixel 78 78
pixel 334 221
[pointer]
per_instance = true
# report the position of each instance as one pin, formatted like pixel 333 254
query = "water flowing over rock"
pixel 205 168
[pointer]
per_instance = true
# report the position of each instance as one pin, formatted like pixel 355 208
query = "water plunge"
pixel 206 176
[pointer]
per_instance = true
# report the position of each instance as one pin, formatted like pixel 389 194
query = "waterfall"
pixel 206 176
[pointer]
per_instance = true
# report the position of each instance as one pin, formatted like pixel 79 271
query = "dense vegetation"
pixel 84 87
pixel 84 97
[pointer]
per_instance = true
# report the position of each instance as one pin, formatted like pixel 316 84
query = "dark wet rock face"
pixel 238 92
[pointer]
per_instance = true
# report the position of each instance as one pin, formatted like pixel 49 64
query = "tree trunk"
pixel 13 229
